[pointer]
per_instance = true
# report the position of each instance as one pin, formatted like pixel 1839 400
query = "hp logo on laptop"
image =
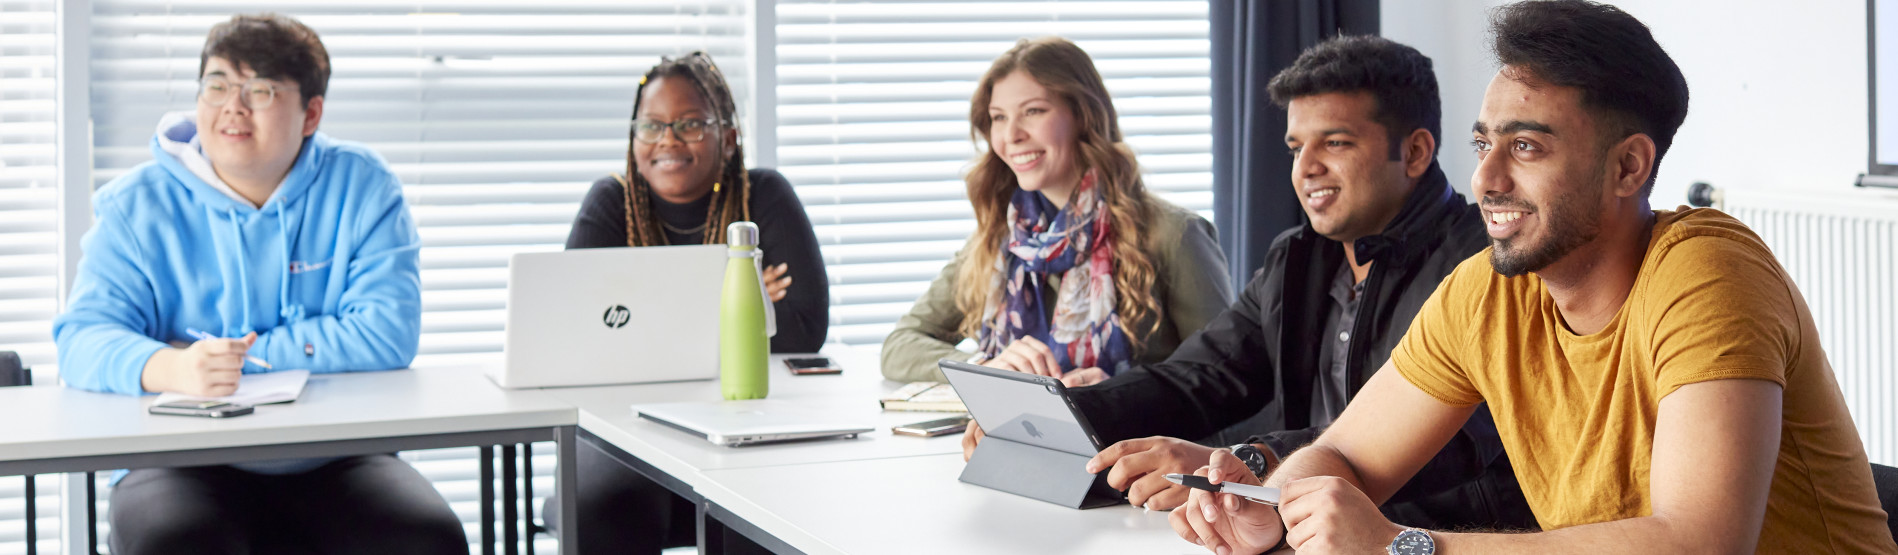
pixel 617 316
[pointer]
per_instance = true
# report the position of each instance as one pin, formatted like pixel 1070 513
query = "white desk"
pixel 879 493
pixel 606 415
pixel 915 505
pixel 54 429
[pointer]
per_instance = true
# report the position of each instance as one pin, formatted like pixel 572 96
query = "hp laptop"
pixel 736 423
pixel 612 316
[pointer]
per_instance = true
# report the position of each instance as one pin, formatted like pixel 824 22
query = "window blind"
pixel 28 191
pixel 28 228
pixel 495 115
pixel 872 124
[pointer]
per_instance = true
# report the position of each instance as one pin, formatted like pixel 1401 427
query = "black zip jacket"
pixel 1265 349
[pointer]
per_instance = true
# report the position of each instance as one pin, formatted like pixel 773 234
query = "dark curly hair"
pixel 1628 83
pixel 275 46
pixel 1399 77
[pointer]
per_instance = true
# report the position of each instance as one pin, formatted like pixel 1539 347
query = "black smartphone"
pixel 208 409
pixel 933 428
pixel 806 366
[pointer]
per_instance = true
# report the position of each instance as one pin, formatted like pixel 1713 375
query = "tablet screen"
pixel 1023 408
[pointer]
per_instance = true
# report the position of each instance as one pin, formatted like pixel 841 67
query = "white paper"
pixel 282 386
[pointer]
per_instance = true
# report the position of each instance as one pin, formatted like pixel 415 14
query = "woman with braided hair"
pixel 685 180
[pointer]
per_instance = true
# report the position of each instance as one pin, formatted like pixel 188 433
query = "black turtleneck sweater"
pixel 784 233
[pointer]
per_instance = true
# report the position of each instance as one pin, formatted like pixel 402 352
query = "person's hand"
pixel 1222 522
pixel 1326 514
pixel 776 281
pixel 1085 376
pixel 1027 355
pixel 206 368
pixel 1139 467
pixel 970 437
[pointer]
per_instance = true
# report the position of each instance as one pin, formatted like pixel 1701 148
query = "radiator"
pixel 1842 252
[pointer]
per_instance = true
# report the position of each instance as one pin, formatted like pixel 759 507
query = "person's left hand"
pixel 1084 376
pixel 1222 522
pixel 777 281
pixel 1326 514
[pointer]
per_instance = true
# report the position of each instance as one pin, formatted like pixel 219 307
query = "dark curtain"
pixel 1251 41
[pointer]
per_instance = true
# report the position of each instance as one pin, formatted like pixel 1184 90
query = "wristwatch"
pixel 1412 541
pixel 1255 461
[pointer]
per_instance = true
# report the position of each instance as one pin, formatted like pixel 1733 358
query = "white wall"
pixel 1778 88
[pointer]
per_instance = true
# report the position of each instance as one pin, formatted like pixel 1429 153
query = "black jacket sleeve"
pixel 1219 376
pixel 784 232
pixel 602 218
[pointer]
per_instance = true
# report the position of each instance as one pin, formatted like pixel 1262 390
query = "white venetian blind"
pixel 28 193
pixel 28 227
pixel 495 115
pixel 873 129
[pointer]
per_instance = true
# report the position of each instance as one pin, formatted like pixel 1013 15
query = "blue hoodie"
pixel 325 272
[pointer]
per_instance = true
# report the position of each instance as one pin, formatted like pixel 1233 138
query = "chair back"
pixel 12 373
pixel 1885 480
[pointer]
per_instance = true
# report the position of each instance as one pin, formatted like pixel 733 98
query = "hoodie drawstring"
pixel 290 313
pixel 243 270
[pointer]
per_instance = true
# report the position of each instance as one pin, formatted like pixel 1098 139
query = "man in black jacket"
pixel 1318 318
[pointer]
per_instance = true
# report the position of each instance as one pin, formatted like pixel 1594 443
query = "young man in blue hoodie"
pixel 250 224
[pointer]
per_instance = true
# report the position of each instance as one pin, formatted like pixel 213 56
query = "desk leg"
pixel 487 499
pixel 510 508
pixel 723 533
pixel 32 517
pixel 566 480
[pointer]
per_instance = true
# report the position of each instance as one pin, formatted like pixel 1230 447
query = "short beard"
pixel 1573 221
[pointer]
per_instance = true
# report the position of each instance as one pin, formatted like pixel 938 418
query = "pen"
pixel 1256 494
pixel 203 336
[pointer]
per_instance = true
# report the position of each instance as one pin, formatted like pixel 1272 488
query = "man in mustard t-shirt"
pixel 1655 376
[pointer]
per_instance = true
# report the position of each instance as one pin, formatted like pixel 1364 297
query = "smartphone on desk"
pixel 933 428
pixel 806 366
pixel 207 409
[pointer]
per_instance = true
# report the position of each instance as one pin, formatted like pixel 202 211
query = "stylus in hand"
pixel 1256 494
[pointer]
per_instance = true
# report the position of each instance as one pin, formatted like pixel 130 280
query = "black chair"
pixel 1885 479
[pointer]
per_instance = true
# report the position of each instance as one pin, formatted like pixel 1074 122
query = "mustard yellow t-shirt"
pixel 1577 413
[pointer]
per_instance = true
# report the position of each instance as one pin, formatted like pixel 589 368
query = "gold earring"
pixel 714 186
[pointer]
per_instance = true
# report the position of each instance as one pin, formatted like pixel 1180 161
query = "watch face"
pixel 1255 461
pixel 1413 542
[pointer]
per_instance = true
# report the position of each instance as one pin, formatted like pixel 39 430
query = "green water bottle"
pixel 743 350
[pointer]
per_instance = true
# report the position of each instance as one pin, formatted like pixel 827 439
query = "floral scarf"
pixel 1077 244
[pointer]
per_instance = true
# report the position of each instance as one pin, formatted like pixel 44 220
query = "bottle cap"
pixel 741 234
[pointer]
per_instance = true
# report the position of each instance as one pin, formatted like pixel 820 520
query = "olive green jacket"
pixel 1191 288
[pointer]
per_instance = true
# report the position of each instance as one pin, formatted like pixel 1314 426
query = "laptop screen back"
pixel 1019 407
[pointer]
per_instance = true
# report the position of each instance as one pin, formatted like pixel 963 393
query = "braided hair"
pixel 731 193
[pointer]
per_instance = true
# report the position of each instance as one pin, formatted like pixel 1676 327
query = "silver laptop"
pixel 735 423
pixel 612 316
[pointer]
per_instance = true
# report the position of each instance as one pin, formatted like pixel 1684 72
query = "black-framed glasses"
pixel 689 130
pixel 218 91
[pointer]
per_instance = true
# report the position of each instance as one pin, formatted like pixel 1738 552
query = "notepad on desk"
pixel 924 397
pixel 282 386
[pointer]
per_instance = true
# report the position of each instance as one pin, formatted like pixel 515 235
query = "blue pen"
pixel 203 336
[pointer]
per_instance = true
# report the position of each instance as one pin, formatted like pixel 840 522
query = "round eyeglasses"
pixel 217 91
pixel 689 130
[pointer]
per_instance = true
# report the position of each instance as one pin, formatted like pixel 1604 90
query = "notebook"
pixel 924 397
pixel 281 386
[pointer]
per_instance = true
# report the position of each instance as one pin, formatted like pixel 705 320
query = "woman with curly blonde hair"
pixel 1075 270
